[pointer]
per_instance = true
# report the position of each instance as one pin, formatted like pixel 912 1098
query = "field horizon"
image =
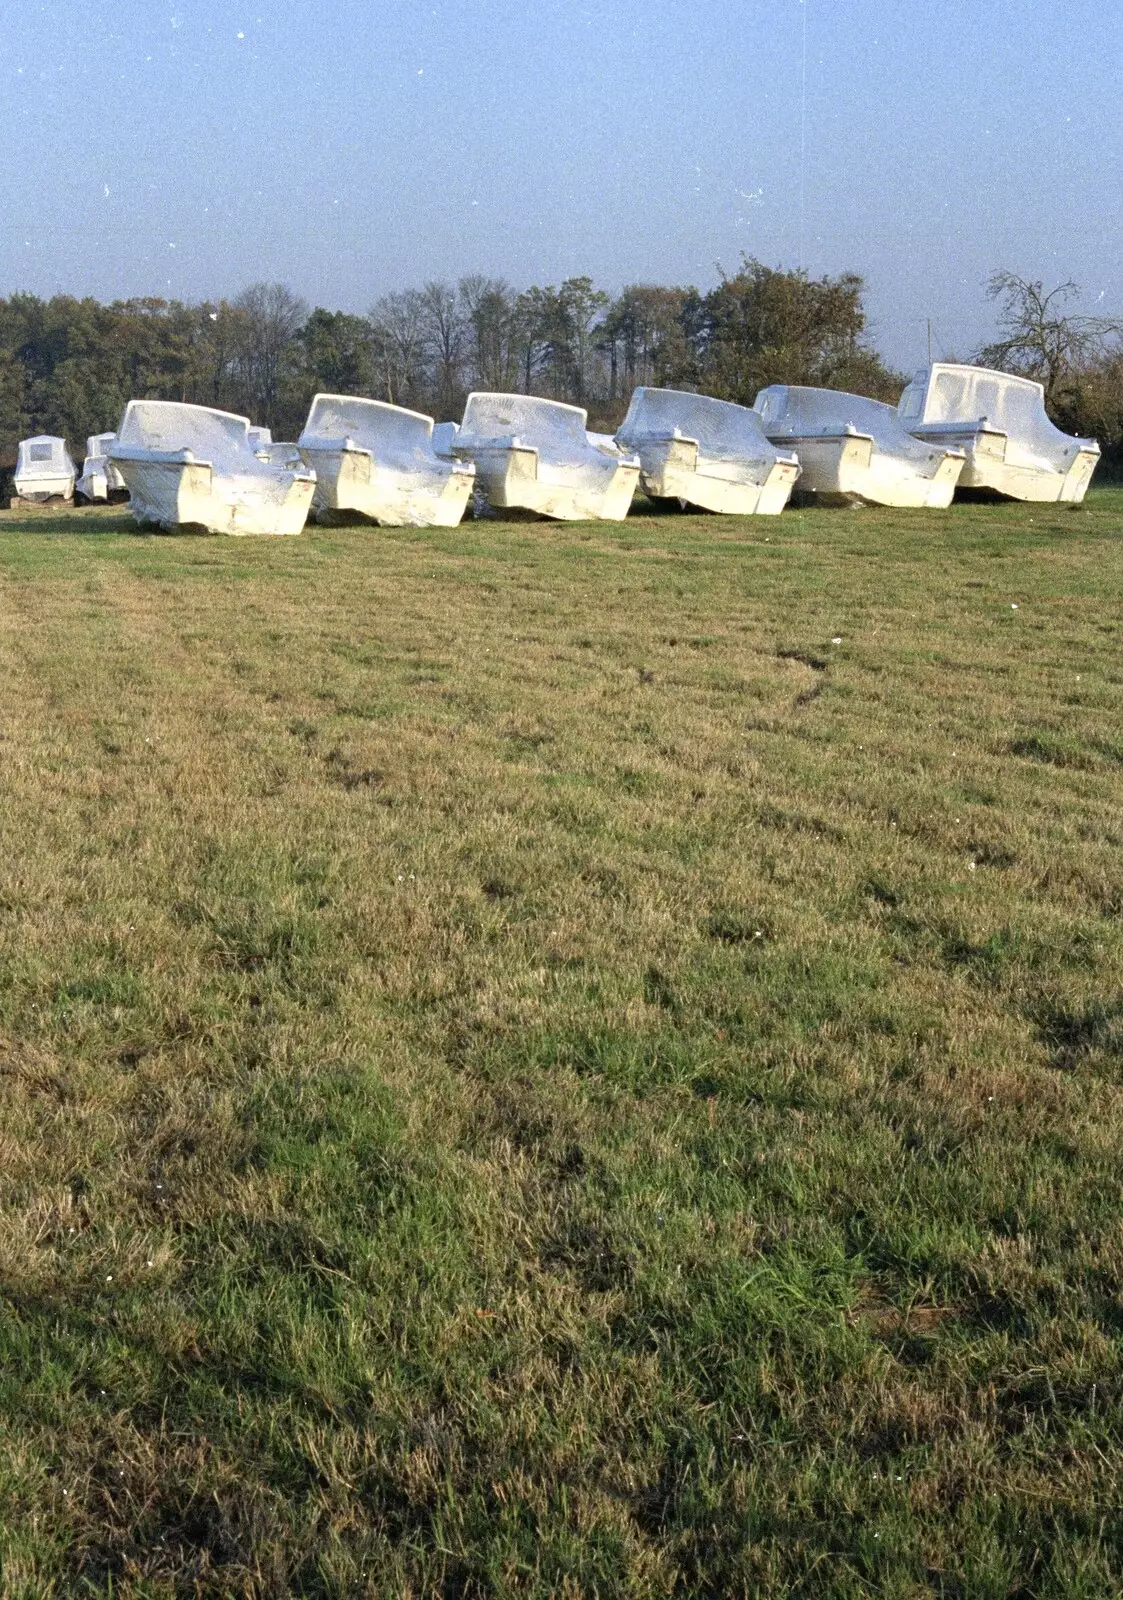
pixel 563 1059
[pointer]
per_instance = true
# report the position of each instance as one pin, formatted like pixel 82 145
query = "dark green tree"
pixel 337 352
pixel 764 325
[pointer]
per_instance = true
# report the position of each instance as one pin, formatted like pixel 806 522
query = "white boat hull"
pixel 512 478
pixel 99 480
pixel 987 468
pixel 44 472
pixel 190 494
pixel 706 452
pixel 93 484
pixel 37 491
pixel 847 469
pixel 1000 422
pixel 351 482
pixel 669 471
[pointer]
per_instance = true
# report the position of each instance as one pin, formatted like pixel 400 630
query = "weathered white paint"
pixel 707 452
pixel 190 466
pixel 377 461
pixel 100 477
pixel 1000 422
pixel 855 451
pixel 44 470
pixel 535 455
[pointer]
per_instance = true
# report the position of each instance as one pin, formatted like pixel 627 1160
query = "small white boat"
pixel 536 455
pixel 44 470
pixel 100 477
pixel 189 466
pixel 1000 422
pixel 707 452
pixel 378 461
pixel 854 451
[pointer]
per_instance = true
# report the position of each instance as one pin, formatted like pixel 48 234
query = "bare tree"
pixel 493 318
pixel 268 319
pixel 445 333
pixel 1038 338
pixel 397 324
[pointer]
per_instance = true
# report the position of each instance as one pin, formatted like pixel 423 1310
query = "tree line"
pixel 68 366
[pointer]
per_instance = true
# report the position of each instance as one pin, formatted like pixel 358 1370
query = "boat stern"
pixel 620 492
pixel 666 466
pixel 342 478
pixel 1079 475
pixel 943 483
pixel 776 490
pixel 508 476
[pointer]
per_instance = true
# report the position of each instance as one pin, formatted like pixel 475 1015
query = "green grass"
pixel 563 1060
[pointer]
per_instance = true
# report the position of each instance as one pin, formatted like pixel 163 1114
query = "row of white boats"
pixel 954 426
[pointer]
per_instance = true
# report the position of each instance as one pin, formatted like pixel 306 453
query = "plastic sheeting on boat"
pixel 854 451
pixel 44 470
pixel 377 461
pixel 191 466
pixel 710 453
pixel 536 455
pixel 99 478
pixel 1000 421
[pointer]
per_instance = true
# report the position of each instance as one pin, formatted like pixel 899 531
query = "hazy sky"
pixel 354 146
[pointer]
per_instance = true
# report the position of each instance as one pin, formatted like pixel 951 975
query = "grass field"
pixel 563 1060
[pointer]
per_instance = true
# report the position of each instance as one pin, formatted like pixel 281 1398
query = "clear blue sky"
pixel 189 147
